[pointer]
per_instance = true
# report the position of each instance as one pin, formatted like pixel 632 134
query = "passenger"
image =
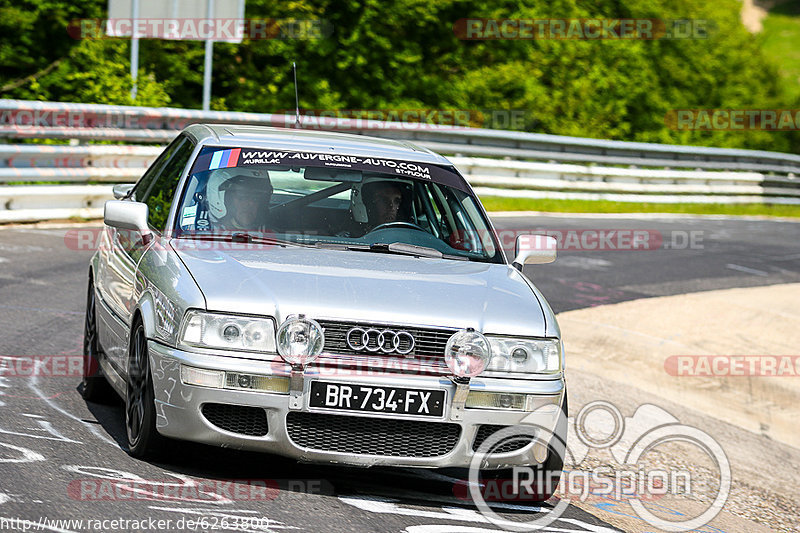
pixel 246 203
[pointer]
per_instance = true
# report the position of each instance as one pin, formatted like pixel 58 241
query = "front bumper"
pixel 179 411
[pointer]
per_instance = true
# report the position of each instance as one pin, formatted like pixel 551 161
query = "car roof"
pixel 295 139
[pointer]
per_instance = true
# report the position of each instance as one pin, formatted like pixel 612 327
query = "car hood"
pixel 367 287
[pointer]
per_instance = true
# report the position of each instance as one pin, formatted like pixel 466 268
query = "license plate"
pixel 371 399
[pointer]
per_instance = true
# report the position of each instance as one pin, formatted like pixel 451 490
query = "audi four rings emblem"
pixel 374 340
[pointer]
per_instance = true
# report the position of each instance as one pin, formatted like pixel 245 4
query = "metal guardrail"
pixel 60 156
pixel 32 203
pixel 28 119
pixel 498 163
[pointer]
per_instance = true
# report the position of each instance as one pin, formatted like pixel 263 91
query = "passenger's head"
pixel 246 200
pixel 383 200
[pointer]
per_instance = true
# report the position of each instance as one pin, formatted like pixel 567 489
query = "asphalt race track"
pixel 695 254
pixel 53 445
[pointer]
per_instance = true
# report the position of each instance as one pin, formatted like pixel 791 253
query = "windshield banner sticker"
pixel 243 157
pixel 402 168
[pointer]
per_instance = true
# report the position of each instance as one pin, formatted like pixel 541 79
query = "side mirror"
pixel 534 249
pixel 128 215
pixel 122 190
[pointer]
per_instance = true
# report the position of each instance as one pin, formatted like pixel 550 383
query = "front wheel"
pixel 140 413
pixel 545 476
pixel 556 453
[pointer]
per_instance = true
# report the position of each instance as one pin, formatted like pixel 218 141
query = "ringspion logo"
pixel 599 425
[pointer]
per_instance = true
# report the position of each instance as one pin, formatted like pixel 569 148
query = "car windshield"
pixel 360 203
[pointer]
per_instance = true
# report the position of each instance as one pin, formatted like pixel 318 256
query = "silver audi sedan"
pixel 327 297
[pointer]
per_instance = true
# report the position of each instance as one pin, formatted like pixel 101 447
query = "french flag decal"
pixel 225 158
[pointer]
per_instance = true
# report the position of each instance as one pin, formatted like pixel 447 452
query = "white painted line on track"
pixel 746 270
pixel 33 384
pixel 26 455
pixel 51 225
pixel 41 231
pixel 22 248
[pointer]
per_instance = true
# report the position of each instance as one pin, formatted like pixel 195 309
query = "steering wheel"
pixel 397 224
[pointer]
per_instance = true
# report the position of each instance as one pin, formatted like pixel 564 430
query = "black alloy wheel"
pixel 140 414
pixel 94 388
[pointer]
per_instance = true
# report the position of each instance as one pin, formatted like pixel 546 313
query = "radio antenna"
pixel 296 98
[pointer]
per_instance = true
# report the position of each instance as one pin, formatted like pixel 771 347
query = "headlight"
pixel 227 332
pixel 535 356
pixel 300 340
pixel 467 353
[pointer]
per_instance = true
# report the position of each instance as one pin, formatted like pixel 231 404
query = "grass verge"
pixel 496 203
pixel 781 35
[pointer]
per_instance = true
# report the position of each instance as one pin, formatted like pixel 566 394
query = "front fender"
pixel 146 309
pixel 165 290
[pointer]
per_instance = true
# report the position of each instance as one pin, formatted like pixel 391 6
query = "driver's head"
pixel 246 198
pixel 382 200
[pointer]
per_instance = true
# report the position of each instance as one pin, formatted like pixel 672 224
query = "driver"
pixel 246 203
pixel 383 200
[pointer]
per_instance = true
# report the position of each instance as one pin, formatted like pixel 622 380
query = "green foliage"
pixel 781 35
pixel 108 81
pixel 36 43
pixel 405 55
pixel 159 206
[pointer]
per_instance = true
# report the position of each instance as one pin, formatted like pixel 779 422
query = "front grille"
pixel 372 436
pixel 511 443
pixel 240 419
pixel 428 342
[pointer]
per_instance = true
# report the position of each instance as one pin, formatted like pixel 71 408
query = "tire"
pixel 144 441
pixel 554 464
pixel 549 471
pixel 94 387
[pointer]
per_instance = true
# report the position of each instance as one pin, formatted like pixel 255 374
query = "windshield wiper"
pixel 239 237
pixel 385 248
pixel 402 248
pixel 326 245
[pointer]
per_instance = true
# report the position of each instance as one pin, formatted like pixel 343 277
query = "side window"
pixel 159 195
pixel 438 213
pixel 144 183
